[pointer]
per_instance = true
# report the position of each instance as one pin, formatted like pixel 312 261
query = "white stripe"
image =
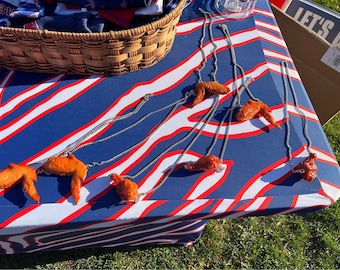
pixel 311 200
pixel 272 38
pixel 281 170
pixel 309 114
pixel 92 235
pixel 9 106
pixel 92 188
pixel 277 68
pixel 254 206
pixel 4 83
pixel 272 176
pixel 268 26
pixel 221 209
pixel 52 214
pixel 61 97
pixel 277 55
pixel 164 82
pixel 264 12
pixel 166 163
pixel 190 26
pixel 6 246
pixel 207 183
pixel 117 240
pixel 331 190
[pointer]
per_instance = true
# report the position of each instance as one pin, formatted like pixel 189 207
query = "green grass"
pixel 309 240
pixel 332 4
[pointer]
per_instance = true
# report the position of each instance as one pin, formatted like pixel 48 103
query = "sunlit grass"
pixel 332 4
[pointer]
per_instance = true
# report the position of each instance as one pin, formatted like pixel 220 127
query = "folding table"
pixel 142 126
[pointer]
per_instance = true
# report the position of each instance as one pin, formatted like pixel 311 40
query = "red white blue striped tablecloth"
pixel 41 114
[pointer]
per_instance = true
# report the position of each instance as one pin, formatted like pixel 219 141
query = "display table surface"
pixel 154 132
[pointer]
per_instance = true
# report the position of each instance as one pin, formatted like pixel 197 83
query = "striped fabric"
pixel 42 114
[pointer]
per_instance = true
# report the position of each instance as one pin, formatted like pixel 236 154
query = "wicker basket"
pixel 107 53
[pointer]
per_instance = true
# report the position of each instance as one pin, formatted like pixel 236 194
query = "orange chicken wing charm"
pixel 254 108
pixel 15 173
pixel 68 166
pixel 127 190
pixel 208 87
pixel 308 168
pixel 205 163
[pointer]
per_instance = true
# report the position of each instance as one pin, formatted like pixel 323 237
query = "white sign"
pixel 332 58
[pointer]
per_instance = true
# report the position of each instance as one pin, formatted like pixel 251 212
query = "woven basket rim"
pixel 127 33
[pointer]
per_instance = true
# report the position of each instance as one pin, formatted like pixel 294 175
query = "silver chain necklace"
pixel 286 76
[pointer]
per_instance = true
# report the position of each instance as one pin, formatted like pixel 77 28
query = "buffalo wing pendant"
pixel 203 88
pixel 205 163
pixel 127 190
pixel 307 168
pixel 68 166
pixel 15 173
pixel 254 108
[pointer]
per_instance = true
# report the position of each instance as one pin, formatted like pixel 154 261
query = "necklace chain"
pixel 205 119
pixel 286 75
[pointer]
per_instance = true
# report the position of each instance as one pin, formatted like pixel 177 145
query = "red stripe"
pixel 215 207
pixel 127 93
pixel 323 193
pixel 253 179
pixel 28 98
pixel 187 203
pixel 193 29
pixel 116 215
pixel 283 56
pixel 75 214
pixel 216 19
pixel 293 112
pixel 228 163
pixel 265 189
pixel 9 76
pixel 152 207
pixel 164 157
pixel 272 40
pixel 334 163
pixel 200 208
pixel 180 208
pixel 18 215
pixel 280 73
pixel 42 114
pixel 330 184
pixel 294 201
pixel 264 12
pixel 245 134
pixel 262 207
pixel 274 27
pixel 178 82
